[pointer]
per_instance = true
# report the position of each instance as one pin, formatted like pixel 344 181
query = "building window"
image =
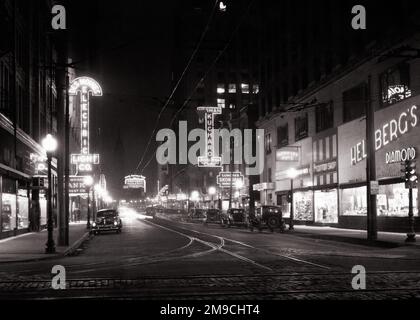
pixel 393 201
pixel 353 202
pixel 220 88
pixel 324 115
pixel 268 143
pixel 301 127
pixel 354 102
pixel 255 89
pixel 221 103
pixel 283 136
pixel 395 84
pixel 232 88
pixel 245 88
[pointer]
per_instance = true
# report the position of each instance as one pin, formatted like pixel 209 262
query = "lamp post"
pixel 292 173
pixel 88 183
pixel 212 191
pixel 50 145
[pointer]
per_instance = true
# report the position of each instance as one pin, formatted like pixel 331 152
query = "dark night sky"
pixel 130 48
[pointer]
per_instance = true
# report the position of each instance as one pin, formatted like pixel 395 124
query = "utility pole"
pixel 67 162
pixel 372 229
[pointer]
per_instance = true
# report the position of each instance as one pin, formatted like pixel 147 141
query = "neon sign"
pixel 396 93
pixel 85 86
pixel 210 161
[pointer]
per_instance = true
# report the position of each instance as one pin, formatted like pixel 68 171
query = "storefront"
pixel 325 177
pixel 397 134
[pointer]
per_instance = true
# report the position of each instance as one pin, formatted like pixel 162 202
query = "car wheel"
pixel 273 222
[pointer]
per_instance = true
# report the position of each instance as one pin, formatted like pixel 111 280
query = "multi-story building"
pixel 28 111
pixel 315 130
pixel 223 74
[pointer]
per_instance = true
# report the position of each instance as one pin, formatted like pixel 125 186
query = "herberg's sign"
pixel 387 133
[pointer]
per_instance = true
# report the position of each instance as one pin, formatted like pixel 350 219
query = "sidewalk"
pixel 31 246
pixel 385 239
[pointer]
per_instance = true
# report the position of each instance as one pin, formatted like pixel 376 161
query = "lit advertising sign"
pixel 77 185
pixel 135 182
pixel 209 160
pixel 325 167
pixel 402 155
pixel 396 93
pixel 289 154
pixel 228 179
pixel 263 186
pixel 85 86
pixel 300 172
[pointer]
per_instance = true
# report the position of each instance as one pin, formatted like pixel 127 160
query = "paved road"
pixel 165 259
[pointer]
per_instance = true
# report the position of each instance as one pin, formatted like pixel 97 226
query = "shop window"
pixel 395 84
pixel 245 88
pixel 324 115
pixel 8 205
pixel 326 210
pixel 353 202
pixel 283 136
pixel 301 127
pixel 392 201
pixel 232 88
pixel 302 206
pixel 354 102
pixel 23 209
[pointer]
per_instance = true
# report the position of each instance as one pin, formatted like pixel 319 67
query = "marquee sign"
pixel 228 179
pixel 209 160
pixel 85 86
pixel 135 182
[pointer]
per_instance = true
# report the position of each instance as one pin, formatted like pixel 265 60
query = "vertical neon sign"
pixel 209 160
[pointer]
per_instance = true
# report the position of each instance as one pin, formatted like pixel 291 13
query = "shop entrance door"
pixel 326 206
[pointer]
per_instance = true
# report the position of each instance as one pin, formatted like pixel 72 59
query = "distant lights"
pixel 222 6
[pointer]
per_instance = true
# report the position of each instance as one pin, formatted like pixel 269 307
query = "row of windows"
pixel 245 88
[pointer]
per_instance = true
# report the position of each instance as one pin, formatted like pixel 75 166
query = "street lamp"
pixel 212 191
pixel 49 143
pixel 88 181
pixel 292 173
pixel 195 197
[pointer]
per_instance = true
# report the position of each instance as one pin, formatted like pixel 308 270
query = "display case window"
pixel 353 202
pixel 23 212
pixel 8 212
pixel 303 206
pixel 326 209
pixel 393 201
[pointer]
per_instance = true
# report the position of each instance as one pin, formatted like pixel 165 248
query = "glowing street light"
pixel 49 143
pixel 239 184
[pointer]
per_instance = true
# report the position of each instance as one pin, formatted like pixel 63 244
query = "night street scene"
pixel 228 152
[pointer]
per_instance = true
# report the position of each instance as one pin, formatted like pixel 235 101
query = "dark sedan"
pixel 107 220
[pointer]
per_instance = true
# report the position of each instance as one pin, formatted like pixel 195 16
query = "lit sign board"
pixel 387 133
pixel 283 175
pixel 77 185
pixel 263 186
pixel 396 93
pixel 135 182
pixel 209 160
pixel 228 179
pixel 402 155
pixel 85 86
pixel 325 167
pixel 288 155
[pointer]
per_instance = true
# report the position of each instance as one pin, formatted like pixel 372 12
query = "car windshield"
pixel 106 214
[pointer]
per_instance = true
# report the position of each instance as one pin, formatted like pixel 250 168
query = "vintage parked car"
pixel 213 216
pixel 107 220
pixel 197 215
pixel 267 217
pixel 235 217
pixel 151 211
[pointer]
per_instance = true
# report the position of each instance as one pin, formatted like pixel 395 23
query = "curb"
pixel 71 249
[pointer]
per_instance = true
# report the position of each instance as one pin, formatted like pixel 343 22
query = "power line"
pixel 221 52
pixel 179 82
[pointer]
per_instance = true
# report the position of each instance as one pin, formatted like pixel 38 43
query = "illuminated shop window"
pixel 221 103
pixel 232 88
pixel 326 208
pixel 245 88
pixel 303 206
pixel 392 201
pixel 220 88
pixel 353 202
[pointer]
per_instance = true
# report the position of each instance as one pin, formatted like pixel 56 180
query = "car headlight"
pixel 94 224
pixel 115 223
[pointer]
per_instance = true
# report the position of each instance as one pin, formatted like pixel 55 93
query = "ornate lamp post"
pixel 88 183
pixel 49 143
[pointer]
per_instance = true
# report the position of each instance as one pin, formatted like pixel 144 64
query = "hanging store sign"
pixel 263 186
pixel 135 182
pixel 396 93
pixel 85 86
pixel 289 154
pixel 77 185
pixel 209 160
pixel 228 179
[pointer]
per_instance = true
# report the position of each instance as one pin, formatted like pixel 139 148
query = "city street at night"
pixel 209 157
